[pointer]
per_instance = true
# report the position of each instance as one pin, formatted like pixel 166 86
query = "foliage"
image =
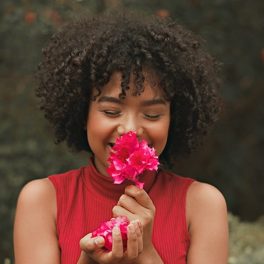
pixel 230 158
pixel 246 241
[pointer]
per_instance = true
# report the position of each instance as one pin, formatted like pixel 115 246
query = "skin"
pixel 206 212
pixel 145 114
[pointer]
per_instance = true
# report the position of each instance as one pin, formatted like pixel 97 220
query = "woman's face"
pixel 109 117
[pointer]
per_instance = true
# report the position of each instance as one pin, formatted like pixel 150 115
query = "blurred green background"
pixel 231 158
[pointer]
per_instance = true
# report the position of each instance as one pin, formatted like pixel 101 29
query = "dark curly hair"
pixel 84 54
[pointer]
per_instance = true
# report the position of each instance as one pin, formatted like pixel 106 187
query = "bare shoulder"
pixel 38 188
pixel 205 197
pixel 37 204
pixel 38 193
pixel 208 226
pixel 204 202
pixel 36 218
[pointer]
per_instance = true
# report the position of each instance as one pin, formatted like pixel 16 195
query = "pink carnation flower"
pixel 130 158
pixel 105 230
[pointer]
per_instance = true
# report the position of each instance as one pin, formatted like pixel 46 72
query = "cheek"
pixel 161 141
pixel 94 126
pixel 159 136
pixel 98 127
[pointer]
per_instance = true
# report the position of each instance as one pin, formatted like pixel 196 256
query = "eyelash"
pixel 111 113
pixel 117 113
pixel 152 117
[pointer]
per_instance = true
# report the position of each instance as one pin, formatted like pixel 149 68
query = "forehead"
pixel 150 85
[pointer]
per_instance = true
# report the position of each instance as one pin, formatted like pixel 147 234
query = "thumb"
pixel 90 244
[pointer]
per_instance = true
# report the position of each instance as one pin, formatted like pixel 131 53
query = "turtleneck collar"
pixel 104 186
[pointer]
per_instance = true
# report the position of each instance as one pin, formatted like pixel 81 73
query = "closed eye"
pixel 152 116
pixel 111 113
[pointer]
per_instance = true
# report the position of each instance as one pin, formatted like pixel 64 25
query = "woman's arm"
pixel 35 239
pixel 208 226
pixel 136 205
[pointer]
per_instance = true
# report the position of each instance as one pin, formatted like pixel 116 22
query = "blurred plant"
pixel 246 241
pixel 231 158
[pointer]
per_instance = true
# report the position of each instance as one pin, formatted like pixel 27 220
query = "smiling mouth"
pixel 110 144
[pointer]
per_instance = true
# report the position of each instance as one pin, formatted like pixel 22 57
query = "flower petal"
pixel 130 158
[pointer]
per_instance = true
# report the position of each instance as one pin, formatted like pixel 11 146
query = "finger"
pixel 140 226
pixel 117 248
pixel 139 232
pixel 120 211
pixel 132 241
pixel 130 204
pixel 116 254
pixel 140 196
pixel 89 244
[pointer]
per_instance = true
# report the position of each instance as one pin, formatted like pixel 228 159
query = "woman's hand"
pixel 93 248
pixel 135 203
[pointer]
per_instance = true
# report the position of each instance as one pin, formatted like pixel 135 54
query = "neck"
pixel 104 184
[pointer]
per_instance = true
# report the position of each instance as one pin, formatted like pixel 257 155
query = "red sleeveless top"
pixel 85 199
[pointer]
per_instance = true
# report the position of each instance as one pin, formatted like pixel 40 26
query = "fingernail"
pixel 98 241
pixel 135 223
pixel 116 230
pixel 132 227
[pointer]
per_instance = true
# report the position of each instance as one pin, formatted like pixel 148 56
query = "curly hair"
pixel 84 54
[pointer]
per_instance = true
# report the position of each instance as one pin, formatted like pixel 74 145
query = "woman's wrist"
pixel 84 259
pixel 150 256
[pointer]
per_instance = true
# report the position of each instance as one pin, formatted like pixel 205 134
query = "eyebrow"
pixel 115 100
pixel 156 101
pixel 109 99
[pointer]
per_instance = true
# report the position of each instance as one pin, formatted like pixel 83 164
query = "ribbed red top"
pixel 85 199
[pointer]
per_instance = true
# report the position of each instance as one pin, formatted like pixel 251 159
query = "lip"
pixel 110 146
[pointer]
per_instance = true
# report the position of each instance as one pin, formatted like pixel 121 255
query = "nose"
pixel 129 125
pixel 121 130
